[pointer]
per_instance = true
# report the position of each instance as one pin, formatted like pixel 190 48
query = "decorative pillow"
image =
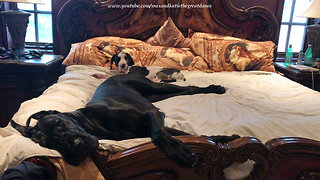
pixel 99 51
pixel 169 35
pixel 225 53
pixel 180 58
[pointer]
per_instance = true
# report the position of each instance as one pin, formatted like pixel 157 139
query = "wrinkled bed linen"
pixel 260 104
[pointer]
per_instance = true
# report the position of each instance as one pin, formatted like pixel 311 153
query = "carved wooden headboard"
pixel 79 20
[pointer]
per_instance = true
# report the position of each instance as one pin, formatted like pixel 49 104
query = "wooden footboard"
pixel 281 158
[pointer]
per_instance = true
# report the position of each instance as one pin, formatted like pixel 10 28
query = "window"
pixel 39 31
pixel 293 27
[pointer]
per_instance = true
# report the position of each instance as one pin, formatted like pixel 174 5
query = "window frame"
pixel 290 23
pixel 46 46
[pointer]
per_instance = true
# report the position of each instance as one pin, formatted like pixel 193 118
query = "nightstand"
pixel 302 77
pixel 25 79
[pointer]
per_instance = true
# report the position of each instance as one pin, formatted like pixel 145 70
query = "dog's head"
pixel 60 131
pixel 122 60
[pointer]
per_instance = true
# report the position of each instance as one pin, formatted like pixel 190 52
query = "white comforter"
pixel 260 104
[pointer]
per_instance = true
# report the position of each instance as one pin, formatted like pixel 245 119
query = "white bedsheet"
pixel 260 104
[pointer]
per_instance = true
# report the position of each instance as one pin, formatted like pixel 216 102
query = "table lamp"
pixel 17 23
pixel 313 31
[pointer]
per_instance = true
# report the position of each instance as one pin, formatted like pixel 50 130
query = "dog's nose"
pixel 123 65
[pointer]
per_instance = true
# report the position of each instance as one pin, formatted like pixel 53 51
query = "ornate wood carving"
pixel 79 20
pixel 307 175
pixel 281 158
pixel 291 158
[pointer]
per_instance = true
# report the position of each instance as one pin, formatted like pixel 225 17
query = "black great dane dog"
pixel 120 109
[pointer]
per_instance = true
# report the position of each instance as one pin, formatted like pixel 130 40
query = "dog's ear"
pixel 130 60
pixel 40 114
pixel 32 132
pixel 22 129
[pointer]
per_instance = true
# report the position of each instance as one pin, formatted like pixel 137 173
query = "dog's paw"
pixel 224 139
pixel 177 151
pixel 216 89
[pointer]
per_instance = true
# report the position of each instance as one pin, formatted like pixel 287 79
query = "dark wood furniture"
pixel 275 6
pixel 255 23
pixel 280 158
pixel 303 77
pixel 24 79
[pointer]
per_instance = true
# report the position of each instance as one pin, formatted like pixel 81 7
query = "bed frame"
pixel 280 158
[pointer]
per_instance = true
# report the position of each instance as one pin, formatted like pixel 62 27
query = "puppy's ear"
pixel 113 59
pixel 130 60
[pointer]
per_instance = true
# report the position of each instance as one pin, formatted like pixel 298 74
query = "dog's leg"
pixel 174 148
pixel 172 131
pixel 160 91
pixel 216 139
pixel 176 132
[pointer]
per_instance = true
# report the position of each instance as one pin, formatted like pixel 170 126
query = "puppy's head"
pixel 123 61
pixel 61 132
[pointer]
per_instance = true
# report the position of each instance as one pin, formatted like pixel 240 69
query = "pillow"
pixel 169 35
pixel 99 51
pixel 180 58
pixel 225 53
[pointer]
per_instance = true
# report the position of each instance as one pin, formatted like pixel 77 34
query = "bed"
pixel 277 119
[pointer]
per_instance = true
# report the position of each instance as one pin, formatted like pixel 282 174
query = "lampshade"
pixel 313 11
pixel 313 31
pixel 25 1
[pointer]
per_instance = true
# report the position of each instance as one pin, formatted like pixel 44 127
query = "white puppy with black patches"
pixel 124 63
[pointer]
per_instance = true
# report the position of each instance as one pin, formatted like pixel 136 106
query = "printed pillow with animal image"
pixel 179 58
pixel 169 35
pixel 99 51
pixel 225 53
